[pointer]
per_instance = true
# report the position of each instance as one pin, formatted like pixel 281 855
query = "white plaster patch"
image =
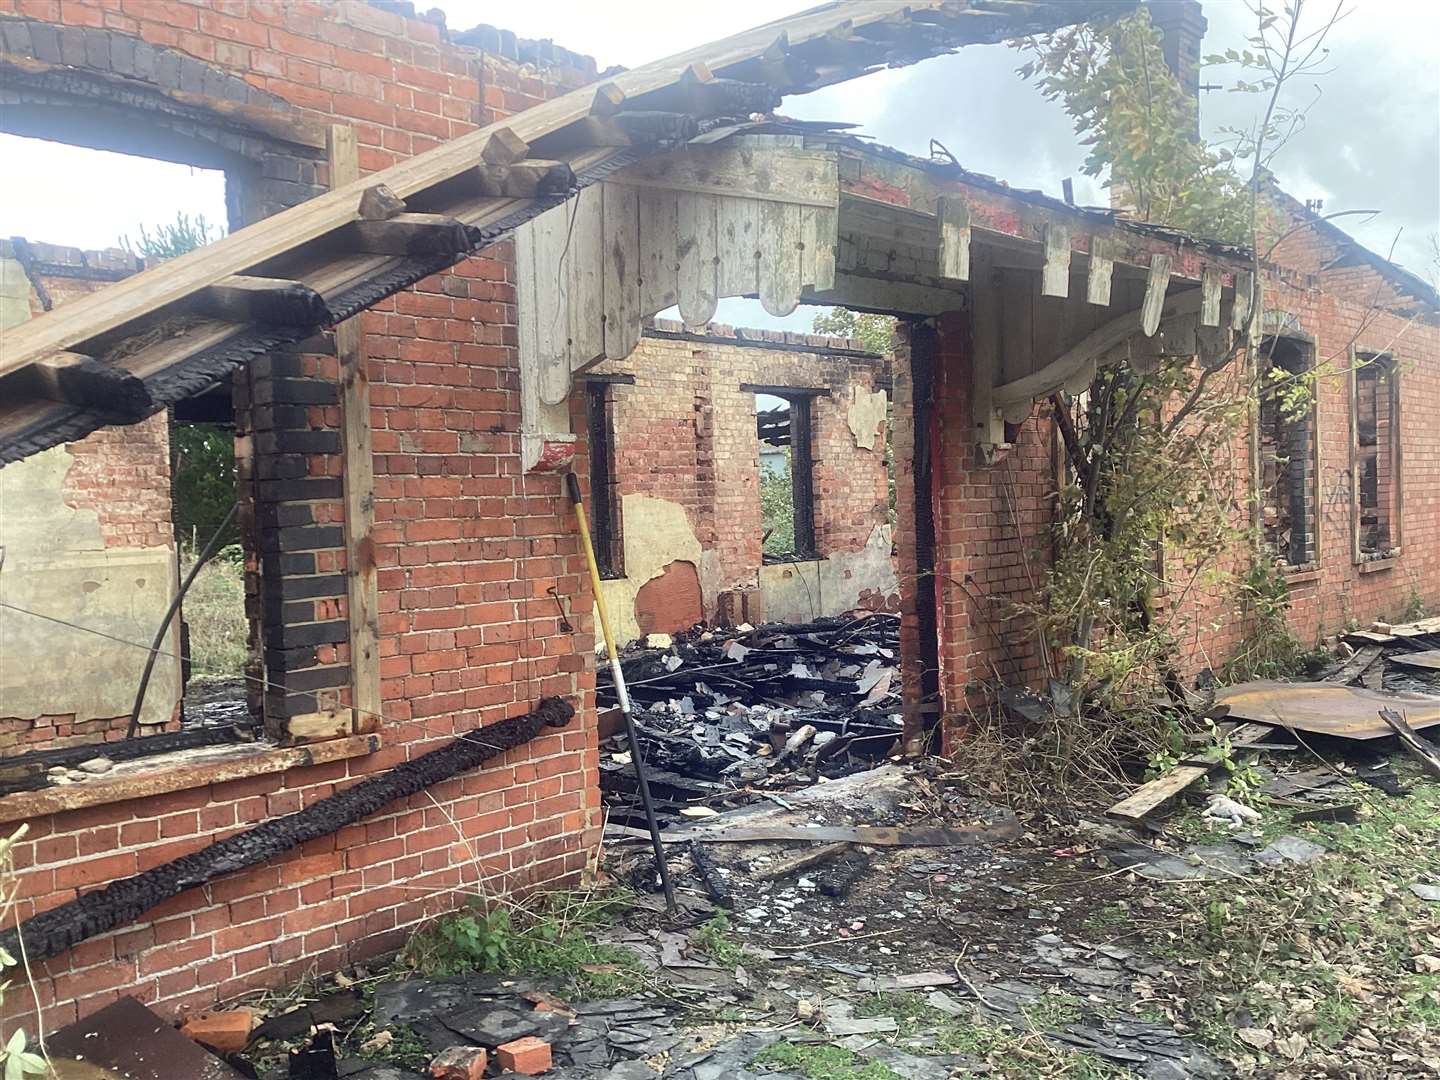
pixel 801 591
pixel 657 533
pixel 865 414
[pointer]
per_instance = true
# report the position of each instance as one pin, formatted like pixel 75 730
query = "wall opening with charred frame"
pixel 111 90
pixel 1288 479
pixel 1375 449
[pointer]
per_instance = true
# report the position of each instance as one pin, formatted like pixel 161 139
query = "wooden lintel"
pixel 379 203
pixel 503 147
pixel 201 768
pixel 953 217
pixel 525 179
pixel 1055 278
pixel 313 727
pixel 1155 287
pixel 1210 296
pixel 272 301
pixel 1100 273
pixel 409 234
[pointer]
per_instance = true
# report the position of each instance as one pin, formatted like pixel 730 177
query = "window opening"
pixel 605 521
pixel 152 495
pixel 1376 409
pixel 1288 506
pixel 787 489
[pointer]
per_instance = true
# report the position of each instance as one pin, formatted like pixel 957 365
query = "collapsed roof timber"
pixel 170 331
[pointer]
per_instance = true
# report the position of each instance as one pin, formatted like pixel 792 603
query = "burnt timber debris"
pixel 726 715
pixel 121 902
pixel 1398 698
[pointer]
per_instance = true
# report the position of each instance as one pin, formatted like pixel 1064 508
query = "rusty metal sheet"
pixel 126 1041
pixel 1350 712
pixel 1429 659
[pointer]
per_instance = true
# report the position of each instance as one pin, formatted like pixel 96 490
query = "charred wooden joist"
pixel 122 902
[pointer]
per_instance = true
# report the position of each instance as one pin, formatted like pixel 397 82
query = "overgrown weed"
pixel 1320 955
pixel 553 935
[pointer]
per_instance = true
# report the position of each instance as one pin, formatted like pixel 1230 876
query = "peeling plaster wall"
pixel 657 533
pixel 802 591
pixel 865 415
pixel 686 466
pixel 61 561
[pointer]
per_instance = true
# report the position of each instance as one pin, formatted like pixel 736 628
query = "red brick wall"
pixel 467 549
pixel 685 432
pixel 993 520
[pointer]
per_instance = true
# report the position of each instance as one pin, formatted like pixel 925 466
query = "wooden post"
pixel 358 470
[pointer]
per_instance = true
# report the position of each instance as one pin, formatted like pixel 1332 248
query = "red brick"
pixel 459 1063
pixel 227 1032
pixel 528 1056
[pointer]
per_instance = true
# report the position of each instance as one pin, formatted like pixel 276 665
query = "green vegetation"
pixel 17 1060
pixel 714 938
pixel 1139 123
pixel 203 457
pixel 552 936
pixel 822 1061
pixel 1318 954
pixel 214 608
pixel 877 332
pixel 174 239
pixel 777 509
pixel 1009 1053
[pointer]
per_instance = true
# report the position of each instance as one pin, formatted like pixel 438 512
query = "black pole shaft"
pixel 205 556
pixel 642 782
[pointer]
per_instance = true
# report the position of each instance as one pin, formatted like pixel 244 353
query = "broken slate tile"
pixel 490 1026
pixel 912 1066
pixel 1290 849
pixel 873 1025
pixel 1426 892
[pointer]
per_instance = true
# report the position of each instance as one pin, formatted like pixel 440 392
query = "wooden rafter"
pixel 175 328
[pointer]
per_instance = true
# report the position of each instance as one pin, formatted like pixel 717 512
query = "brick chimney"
pixel 1183 25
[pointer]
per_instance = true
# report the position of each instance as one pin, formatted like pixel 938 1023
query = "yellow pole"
pixel 572 485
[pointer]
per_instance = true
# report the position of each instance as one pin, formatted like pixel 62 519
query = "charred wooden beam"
pixel 408 234
pixel 122 902
pixel 534 178
pixel 274 301
pixel 77 379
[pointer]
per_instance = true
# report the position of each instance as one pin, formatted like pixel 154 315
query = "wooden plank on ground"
pixel 1422 750
pixel 1356 666
pixel 1148 798
pixel 873 835
pixel 358 476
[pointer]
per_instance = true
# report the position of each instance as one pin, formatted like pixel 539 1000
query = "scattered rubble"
pixel 728 716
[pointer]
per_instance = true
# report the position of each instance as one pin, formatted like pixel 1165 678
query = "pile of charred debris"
pixel 726 716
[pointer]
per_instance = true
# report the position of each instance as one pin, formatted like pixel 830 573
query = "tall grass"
pixel 215 609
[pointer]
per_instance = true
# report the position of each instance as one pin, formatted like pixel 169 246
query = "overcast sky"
pixel 1372 141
